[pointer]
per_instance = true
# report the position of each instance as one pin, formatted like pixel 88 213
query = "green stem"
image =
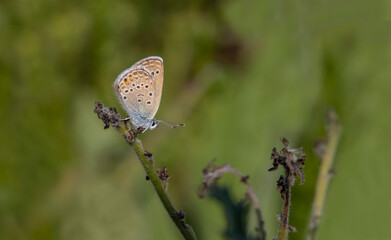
pixel 325 174
pixel 148 164
pixel 149 168
pixel 110 117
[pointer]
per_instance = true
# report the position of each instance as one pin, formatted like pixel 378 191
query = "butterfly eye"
pixel 153 125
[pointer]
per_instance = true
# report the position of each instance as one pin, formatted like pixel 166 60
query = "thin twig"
pixel 292 160
pixel 110 117
pixel 212 173
pixel 326 152
pixel 284 218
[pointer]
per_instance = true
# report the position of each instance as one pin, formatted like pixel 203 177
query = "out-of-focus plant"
pixel 325 150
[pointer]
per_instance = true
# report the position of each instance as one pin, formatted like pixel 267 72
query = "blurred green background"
pixel 240 74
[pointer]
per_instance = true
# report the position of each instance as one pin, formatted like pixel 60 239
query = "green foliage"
pixel 240 74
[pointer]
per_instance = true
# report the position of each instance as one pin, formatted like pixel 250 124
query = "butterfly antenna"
pixel 170 124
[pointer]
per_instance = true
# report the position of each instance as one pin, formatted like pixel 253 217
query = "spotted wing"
pixel 136 90
pixel 155 66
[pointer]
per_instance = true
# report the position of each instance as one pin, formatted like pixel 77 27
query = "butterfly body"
pixel 139 89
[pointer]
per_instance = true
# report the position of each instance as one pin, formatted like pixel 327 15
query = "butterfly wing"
pixel 155 66
pixel 136 89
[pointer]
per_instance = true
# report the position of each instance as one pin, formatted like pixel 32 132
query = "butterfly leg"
pixel 126 119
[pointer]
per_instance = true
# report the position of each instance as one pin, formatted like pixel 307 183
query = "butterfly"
pixel 139 90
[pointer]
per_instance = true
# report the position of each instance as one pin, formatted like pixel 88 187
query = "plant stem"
pixel 325 173
pixel 149 168
pixel 284 224
pixel 111 117
pixel 292 160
